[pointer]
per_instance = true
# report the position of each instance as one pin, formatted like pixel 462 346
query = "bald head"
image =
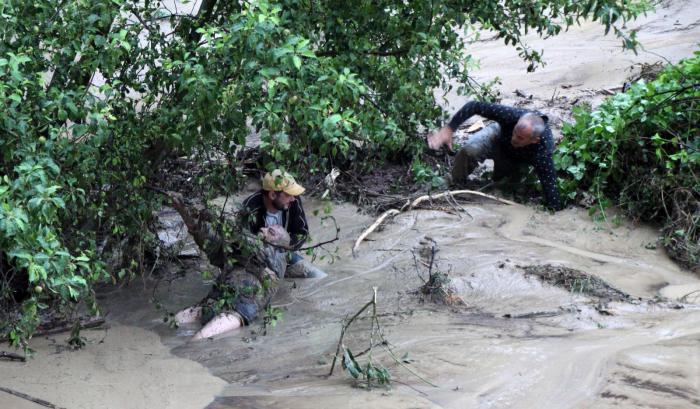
pixel 528 130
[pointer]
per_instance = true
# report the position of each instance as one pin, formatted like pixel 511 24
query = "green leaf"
pixel 332 120
pixel 350 364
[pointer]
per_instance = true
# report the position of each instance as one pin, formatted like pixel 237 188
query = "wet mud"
pixel 517 341
pixel 528 334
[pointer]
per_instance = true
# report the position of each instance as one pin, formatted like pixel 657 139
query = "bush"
pixel 640 150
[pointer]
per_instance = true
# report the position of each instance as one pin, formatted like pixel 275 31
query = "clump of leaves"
pixel 272 316
pixel 373 374
pixel 575 281
pixel 640 151
pixel 438 287
pixel 76 341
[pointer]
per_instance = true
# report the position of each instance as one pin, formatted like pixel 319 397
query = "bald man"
pixel 517 137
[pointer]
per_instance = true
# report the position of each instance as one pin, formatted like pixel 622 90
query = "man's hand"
pixel 275 235
pixel 441 137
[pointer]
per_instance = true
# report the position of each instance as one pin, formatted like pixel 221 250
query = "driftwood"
pixel 63 326
pixel 411 205
pixel 458 192
pixel 12 356
pixel 371 228
pixel 30 398
pixel 66 326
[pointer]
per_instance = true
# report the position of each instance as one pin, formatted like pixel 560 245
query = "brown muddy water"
pixel 517 342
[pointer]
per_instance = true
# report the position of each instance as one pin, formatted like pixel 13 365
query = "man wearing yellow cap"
pixel 279 203
pixel 276 215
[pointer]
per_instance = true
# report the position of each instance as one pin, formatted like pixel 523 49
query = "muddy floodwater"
pixel 518 341
pixel 557 311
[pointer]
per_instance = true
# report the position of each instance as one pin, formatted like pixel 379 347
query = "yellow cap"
pixel 279 181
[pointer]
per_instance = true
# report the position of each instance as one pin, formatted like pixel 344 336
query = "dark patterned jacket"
pixel 538 155
pixel 293 219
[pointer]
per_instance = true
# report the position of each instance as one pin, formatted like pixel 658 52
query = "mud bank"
pixel 120 367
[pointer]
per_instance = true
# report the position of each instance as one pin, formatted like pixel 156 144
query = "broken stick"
pixel 371 228
pixel 12 356
pixel 459 192
pixel 30 398
pixel 65 326
pixel 415 203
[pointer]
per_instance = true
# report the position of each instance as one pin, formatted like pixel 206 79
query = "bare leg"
pixel 224 322
pixel 189 315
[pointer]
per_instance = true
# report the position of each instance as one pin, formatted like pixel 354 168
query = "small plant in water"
pixel 372 373
pixel 75 341
pixel 272 316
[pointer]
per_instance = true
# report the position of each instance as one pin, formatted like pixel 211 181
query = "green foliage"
pixel 640 150
pixel 96 96
pixel 58 275
pixel 423 173
pixel 272 316
pixel 372 373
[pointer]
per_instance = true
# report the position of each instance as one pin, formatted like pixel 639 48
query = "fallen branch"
pixel 375 329
pixel 411 205
pixel 459 192
pixel 90 323
pixel 63 326
pixel 12 356
pixel 685 297
pixel 345 327
pixel 371 228
pixel 30 398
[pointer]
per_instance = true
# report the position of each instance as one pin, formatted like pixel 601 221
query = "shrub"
pixel 640 150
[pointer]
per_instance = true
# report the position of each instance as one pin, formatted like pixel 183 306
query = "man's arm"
pixel 544 166
pixel 502 114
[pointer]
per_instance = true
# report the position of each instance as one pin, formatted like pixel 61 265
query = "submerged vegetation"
pixel 99 97
pixel 640 151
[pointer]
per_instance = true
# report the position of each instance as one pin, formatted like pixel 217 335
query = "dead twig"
pixel 458 192
pixel 411 205
pixel 375 329
pixel 12 356
pixel 345 327
pixel 30 398
pixel 371 228
pixel 63 327
pixel 336 238
pixel 685 297
pixel 521 94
